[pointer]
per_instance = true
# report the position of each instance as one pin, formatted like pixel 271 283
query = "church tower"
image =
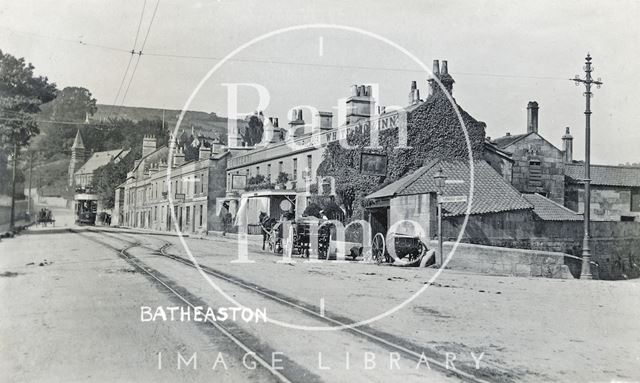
pixel 78 156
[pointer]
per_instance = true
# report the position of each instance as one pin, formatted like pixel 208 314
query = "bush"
pixel 312 210
pixel 282 178
pixel 333 211
pixel 255 180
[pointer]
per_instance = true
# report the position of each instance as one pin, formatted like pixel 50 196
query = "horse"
pixel 266 224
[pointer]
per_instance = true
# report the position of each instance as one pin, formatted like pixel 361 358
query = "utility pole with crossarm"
pixel 588 81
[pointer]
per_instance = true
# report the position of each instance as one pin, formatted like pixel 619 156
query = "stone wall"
pixel 509 262
pixel 548 178
pixel 503 166
pixel 608 203
pixel 415 208
pixel 615 245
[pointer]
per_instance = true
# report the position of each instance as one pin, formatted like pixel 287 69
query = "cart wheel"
pixel 378 248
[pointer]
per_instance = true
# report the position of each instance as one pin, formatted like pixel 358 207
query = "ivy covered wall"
pixel 433 132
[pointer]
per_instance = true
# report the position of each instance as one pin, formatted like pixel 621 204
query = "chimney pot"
pixel 445 69
pixel 567 146
pixel 532 117
pixel 508 134
pixel 436 68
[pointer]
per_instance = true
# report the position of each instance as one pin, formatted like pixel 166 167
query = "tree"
pixel 71 104
pixel 107 178
pixel 252 132
pixel 21 94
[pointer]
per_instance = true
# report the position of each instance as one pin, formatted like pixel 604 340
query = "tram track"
pixel 386 340
pixel 231 332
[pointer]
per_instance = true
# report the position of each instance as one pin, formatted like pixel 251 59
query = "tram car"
pixel 86 212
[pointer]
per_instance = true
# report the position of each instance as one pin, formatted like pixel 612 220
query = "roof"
pixel 78 143
pixel 504 141
pixel 548 210
pixel 605 175
pixel 492 193
pixel 99 159
pixel 493 148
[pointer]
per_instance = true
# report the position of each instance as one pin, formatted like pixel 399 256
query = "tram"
pixel 85 208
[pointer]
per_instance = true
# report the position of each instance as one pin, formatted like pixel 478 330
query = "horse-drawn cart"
pixel 303 233
pixel 45 217
pixel 409 250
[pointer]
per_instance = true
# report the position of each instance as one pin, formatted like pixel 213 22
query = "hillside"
pixel 209 124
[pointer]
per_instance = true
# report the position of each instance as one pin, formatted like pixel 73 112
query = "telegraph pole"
pixel 585 272
pixel 12 223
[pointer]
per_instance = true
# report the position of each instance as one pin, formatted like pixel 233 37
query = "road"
pixel 74 302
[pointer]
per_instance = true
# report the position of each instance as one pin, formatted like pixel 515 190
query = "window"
pixel 309 162
pixel 201 213
pixel 535 174
pixel 269 172
pixel 257 170
pixel 295 169
pixel 635 199
pixel 202 183
pixel 280 167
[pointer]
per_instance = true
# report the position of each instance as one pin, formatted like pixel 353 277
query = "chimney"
pixel 532 117
pixel 567 146
pixel 178 157
pixel 445 78
pixel 412 93
pixel 326 120
pixel 295 124
pixel 204 153
pixel 359 106
pixel 441 73
pixel 163 165
pixel 148 145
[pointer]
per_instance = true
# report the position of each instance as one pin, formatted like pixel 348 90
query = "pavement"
pixel 72 310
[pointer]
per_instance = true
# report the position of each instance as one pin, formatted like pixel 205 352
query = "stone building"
pixel 615 191
pixel 534 165
pixel 142 201
pixel 297 151
pixel 537 166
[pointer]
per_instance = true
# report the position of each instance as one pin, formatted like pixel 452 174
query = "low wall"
pixel 615 246
pixel 503 261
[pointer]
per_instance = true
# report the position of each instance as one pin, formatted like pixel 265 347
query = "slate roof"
pixel 504 141
pixel 605 175
pixel 492 193
pixel 99 159
pixel 548 210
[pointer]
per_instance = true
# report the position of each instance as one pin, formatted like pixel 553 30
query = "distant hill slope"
pixel 209 124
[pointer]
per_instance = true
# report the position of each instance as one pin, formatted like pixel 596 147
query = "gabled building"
pixel 535 165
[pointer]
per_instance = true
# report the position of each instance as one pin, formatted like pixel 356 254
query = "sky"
pixel 501 54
